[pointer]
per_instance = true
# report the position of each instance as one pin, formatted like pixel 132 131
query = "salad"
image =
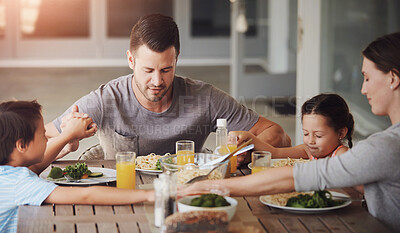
pixel 76 171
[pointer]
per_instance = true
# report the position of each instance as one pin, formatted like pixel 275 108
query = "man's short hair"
pixel 158 32
pixel 18 120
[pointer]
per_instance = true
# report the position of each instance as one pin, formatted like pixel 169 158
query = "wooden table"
pixel 140 217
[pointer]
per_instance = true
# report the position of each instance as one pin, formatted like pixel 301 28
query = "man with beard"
pixel 152 108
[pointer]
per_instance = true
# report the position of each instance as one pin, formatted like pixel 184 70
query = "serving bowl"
pixel 184 206
pixel 190 170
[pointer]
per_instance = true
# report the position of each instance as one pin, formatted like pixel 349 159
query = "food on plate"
pixel 288 162
pixel 56 173
pixel 320 199
pixel 317 199
pixel 197 221
pixel 188 174
pixel 96 174
pixel 149 162
pixel 280 199
pixel 76 171
pixel 209 200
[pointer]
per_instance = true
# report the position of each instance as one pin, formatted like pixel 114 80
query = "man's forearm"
pixel 51 130
pixel 275 136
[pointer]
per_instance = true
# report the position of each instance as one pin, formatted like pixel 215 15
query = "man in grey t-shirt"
pixel 149 110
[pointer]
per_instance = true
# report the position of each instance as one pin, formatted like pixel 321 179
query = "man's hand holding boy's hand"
pixel 78 128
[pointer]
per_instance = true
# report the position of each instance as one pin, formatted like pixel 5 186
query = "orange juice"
pixel 233 159
pixel 126 175
pixel 258 169
pixel 184 157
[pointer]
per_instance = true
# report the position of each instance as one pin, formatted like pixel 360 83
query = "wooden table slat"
pixel 66 227
pixel 128 227
pixel 334 224
pixel 86 227
pixel 368 223
pixel 123 209
pixel 83 210
pixel 103 210
pixel 107 227
pixel 63 210
pixel 292 224
pixel 313 223
pixel 272 224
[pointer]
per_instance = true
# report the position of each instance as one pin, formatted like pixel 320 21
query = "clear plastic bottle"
pixel 165 198
pixel 222 138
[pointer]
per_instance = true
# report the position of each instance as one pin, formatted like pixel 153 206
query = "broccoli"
pixel 320 199
pixel 209 200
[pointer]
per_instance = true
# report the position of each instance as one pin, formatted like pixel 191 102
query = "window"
pixel 211 18
pixel 123 14
pixel 54 19
pixel 2 19
pixel 347 27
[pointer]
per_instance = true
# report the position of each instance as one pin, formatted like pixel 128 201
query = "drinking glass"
pixel 126 174
pixel 184 152
pixel 261 160
pixel 232 145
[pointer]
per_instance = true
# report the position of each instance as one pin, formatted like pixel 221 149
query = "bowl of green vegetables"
pixel 209 202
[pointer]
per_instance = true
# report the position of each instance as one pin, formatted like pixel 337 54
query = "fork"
pixel 201 177
pixel 72 180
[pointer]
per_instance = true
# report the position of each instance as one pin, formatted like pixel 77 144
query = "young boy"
pixel 22 145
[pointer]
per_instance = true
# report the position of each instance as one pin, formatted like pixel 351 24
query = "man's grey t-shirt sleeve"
pixel 238 116
pixel 90 104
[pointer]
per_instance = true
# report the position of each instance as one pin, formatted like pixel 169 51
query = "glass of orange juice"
pixel 184 152
pixel 126 174
pixel 261 160
pixel 232 145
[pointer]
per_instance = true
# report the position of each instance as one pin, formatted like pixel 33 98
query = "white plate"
pixel 310 210
pixel 149 172
pixel 109 175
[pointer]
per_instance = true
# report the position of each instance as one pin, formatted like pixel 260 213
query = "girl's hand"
pixel 242 136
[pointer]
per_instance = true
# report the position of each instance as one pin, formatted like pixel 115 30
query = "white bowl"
pixel 184 206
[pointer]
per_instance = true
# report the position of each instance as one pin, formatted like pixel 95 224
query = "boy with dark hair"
pixel 22 145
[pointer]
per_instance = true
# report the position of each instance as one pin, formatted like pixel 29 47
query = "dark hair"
pixel 158 32
pixel 385 53
pixel 18 120
pixel 334 108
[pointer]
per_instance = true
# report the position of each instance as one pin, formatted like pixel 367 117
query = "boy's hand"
pixel 91 128
pixel 75 113
pixel 78 128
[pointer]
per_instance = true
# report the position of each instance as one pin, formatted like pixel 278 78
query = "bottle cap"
pixel 221 122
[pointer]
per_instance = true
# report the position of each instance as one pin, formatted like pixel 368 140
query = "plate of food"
pixel 79 174
pixel 149 164
pixel 283 162
pixel 307 203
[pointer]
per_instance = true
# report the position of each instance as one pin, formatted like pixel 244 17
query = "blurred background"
pixel 271 55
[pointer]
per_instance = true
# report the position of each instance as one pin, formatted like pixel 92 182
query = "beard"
pixel 145 90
